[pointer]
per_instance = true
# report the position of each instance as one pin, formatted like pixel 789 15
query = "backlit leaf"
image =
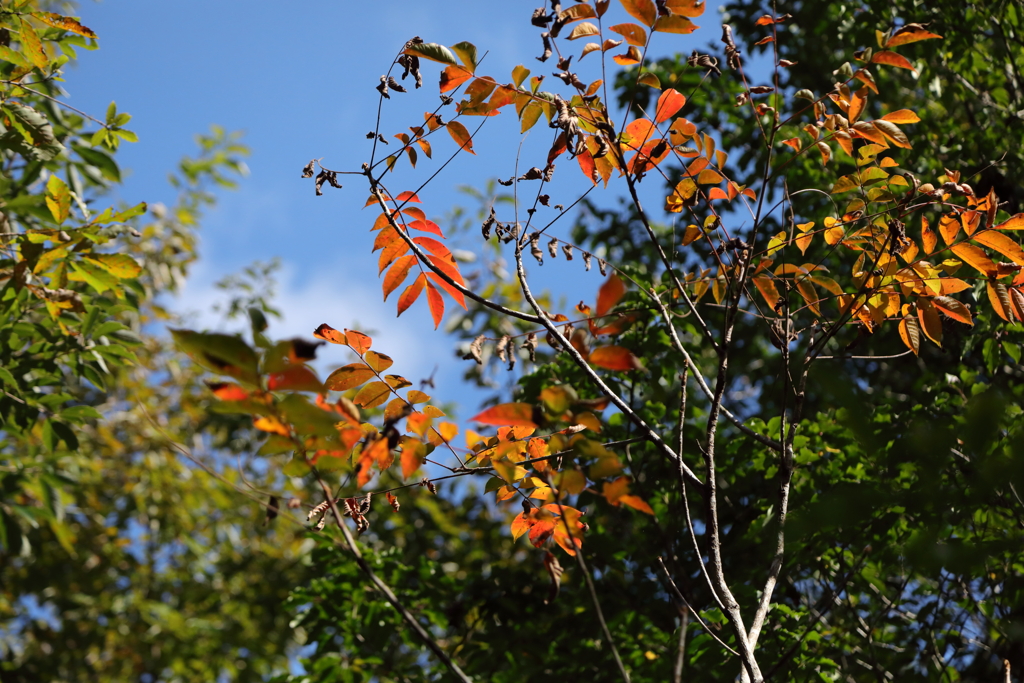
pixel 901 116
pixel 431 51
pixel 294 378
pixel 953 308
pixel 349 376
pixel 411 293
pixel 975 257
pixel 32 46
pixel 461 136
pixel 378 361
pixel 328 333
pixel 614 358
pixel 1001 243
pixel 583 30
pixel 357 341
pixel 67 23
pixel 931 324
pixel 436 303
pixel 121 266
pixel 644 10
pixel 397 273
pixel 1014 223
pixel 669 103
pixel 909 34
pixel 507 414
pixel 674 24
pixel 634 35
pixel 611 293
pixel 891 131
pixel 892 59
pixel 999 297
pixel 372 395
pixel 910 333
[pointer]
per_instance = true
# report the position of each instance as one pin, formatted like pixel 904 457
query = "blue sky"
pixel 300 83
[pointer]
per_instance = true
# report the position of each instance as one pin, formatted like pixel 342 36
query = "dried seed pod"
pixel 395 85
pixel 507 183
pixel 487 224
pixel 317 510
pixel 544 199
pixel 587 256
pixel 382 88
pixel 321 524
pixel 431 486
pixel 567 250
pixel 307 170
pixel 502 347
pixel 475 350
pixel 546 37
pixel 533 174
pixel 294 503
pixel 535 248
pixel 602 265
pixel 553 247
pixel 393 501
pixel 531 345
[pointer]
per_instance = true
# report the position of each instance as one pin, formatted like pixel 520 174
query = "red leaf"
pixel 453 76
pixel 586 162
pixel 413 455
pixel 397 273
pixel 669 103
pixel 611 293
pixel 436 303
pixel 328 333
pixel 507 414
pixel 461 136
pixel 411 293
pixel 614 358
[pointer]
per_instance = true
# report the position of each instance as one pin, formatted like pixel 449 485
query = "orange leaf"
pixel 507 414
pixel 357 341
pixel 588 166
pixel 634 35
pixel 452 292
pixel 448 267
pixel 931 324
pixel 954 309
pixel 1017 301
pixel 669 103
pixel 414 453
pixel 407 196
pixel 397 273
pixel 426 226
pixel 857 104
pixel 349 376
pixel 294 378
pixel 461 136
pixel 686 8
pixel 411 293
pixel 269 423
pixel 372 395
pixel 680 25
pixel 632 56
pixel 999 297
pixel 1014 223
pixel 949 227
pixel 453 76
pixel 226 391
pixel 434 247
pixel 328 333
pixel 611 293
pixel 901 116
pixel 909 34
pixel 766 286
pixel 910 333
pixel 520 525
pixel 637 503
pixel 975 257
pixel 391 252
pixel 644 10
pixel 928 238
pixel 436 303
pixel 1001 243
pixel 892 59
pixel 614 358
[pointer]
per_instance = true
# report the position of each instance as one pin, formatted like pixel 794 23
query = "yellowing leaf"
pixel 66 23
pixel 909 34
pixel 378 361
pixel 269 423
pixel 975 257
pixel 999 297
pixel 583 30
pixel 372 395
pixel 891 131
pixel 328 333
pixel 637 503
pixel 1014 223
pixel 631 57
pixel 910 333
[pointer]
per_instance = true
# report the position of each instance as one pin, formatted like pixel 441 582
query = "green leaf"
pixel 296 467
pixel 221 353
pixel 58 198
pixel 32 135
pixel 467 54
pixel 432 51
pixel 81 414
pixel 98 278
